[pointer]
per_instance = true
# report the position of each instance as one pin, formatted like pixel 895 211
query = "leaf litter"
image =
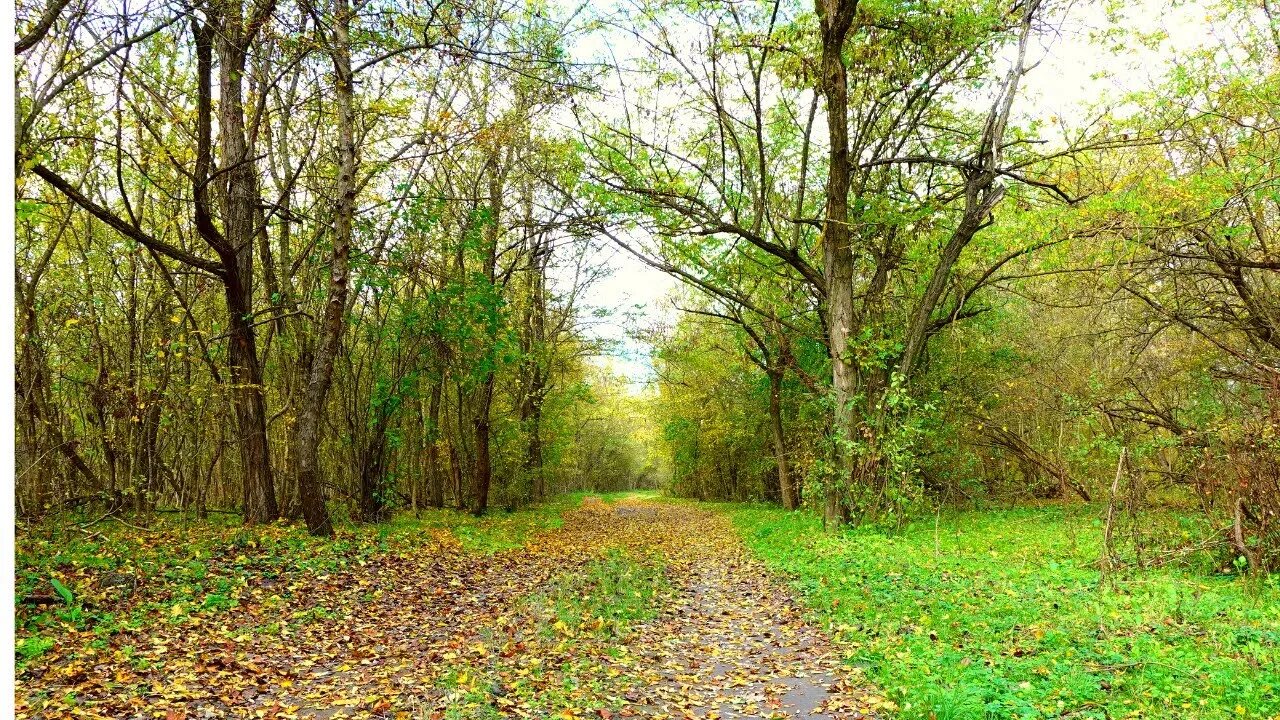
pixel 632 609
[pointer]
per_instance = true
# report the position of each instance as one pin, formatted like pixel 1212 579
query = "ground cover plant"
pixel 606 607
pixel 79 584
pixel 1002 613
pixel 348 332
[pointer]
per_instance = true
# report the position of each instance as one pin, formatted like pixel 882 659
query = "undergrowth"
pixel 604 596
pixel 1001 614
pixel 118 575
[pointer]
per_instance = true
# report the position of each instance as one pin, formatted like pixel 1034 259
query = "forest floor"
pixel 627 609
pixel 1001 613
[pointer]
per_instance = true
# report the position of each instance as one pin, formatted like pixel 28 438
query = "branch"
pixel 958 312
pixel 130 231
pixel 37 33
pixel 39 104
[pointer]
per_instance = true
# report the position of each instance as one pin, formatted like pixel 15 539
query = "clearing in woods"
pixel 631 609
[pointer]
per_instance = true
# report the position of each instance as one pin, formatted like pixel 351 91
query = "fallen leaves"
pixel 628 610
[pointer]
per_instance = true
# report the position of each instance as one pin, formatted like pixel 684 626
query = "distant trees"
pixel 1004 312
pixel 273 255
pixel 342 176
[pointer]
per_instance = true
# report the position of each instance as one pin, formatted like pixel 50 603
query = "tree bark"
pixel 235 247
pixel 372 500
pixel 535 341
pixel 320 375
pixel 435 474
pixel 836 18
pixel 482 471
pixel 786 487
pixel 533 454
pixel 258 499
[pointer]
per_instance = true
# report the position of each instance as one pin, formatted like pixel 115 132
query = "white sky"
pixel 1075 75
pixel 636 296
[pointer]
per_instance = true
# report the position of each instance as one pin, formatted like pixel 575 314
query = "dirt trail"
pixel 442 634
pixel 731 643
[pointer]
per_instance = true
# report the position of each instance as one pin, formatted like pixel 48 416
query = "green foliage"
pixel 498 531
pixel 199 570
pixel 603 596
pixel 63 591
pixel 30 648
pixel 1000 614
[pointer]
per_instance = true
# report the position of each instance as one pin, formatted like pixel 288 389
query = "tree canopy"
pixel 301 260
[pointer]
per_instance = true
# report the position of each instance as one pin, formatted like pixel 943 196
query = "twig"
pixel 1111 519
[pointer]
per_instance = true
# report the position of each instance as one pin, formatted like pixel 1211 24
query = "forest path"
pixel 729 641
pixel 723 639
pixel 632 609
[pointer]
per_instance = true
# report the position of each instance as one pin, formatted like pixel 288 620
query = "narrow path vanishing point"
pixel 441 634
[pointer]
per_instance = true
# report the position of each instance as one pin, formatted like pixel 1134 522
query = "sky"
pixel 637 296
pixel 1075 76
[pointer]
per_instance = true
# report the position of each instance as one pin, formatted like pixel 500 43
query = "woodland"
pixel 314 390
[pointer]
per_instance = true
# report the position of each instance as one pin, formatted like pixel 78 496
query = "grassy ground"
pixel 999 614
pixel 539 613
pixel 200 569
pixel 583 618
pixel 986 615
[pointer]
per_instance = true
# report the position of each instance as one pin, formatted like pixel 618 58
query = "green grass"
pixel 999 614
pixel 189 568
pixel 497 531
pixel 604 596
pixel 583 616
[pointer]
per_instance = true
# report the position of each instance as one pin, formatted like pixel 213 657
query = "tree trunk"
pixel 435 475
pixel 235 248
pixel 258 499
pixel 455 475
pixel 836 17
pixel 785 486
pixel 535 342
pixel 533 455
pixel 320 377
pixel 372 501
pixel 482 471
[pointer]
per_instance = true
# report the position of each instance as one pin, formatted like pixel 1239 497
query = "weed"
pixel 999 615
